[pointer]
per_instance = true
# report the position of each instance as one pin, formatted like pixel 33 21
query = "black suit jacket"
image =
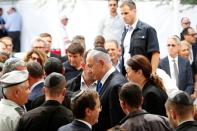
pixel 187 126
pixel 74 84
pixel 111 112
pixel 75 126
pixel 185 82
pixel 154 99
pixel 70 71
pixel 143 42
pixel 48 117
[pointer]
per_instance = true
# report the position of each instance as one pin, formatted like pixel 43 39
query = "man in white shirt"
pixel 112 26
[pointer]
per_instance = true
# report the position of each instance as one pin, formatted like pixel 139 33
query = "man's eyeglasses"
pixel 171 45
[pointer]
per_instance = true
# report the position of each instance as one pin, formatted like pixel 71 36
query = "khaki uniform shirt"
pixel 10 113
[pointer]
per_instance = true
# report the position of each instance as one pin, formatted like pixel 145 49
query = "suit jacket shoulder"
pixel 75 126
pixel 74 84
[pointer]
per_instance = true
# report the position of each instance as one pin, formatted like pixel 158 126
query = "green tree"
pixel 188 1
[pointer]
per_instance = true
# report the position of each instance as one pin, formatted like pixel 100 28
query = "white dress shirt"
pixel 127 41
pixel 171 63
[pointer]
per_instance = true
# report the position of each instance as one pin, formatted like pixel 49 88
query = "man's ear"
pixel 173 114
pixel 63 92
pixel 101 62
pixel 44 90
pixel 88 112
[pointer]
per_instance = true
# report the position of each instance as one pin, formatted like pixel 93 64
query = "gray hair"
pixel 6 91
pixel 12 64
pixel 176 39
pixel 99 55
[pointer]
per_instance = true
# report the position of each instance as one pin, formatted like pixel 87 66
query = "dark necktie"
pixel 99 87
pixel 175 71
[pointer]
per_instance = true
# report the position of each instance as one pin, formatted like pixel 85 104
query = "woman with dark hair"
pixel 139 71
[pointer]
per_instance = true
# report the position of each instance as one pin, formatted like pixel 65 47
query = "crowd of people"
pixel 119 85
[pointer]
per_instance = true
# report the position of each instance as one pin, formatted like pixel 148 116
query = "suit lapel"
pixel 106 84
pixel 167 66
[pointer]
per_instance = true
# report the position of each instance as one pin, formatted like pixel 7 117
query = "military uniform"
pixel 10 111
pixel 9 115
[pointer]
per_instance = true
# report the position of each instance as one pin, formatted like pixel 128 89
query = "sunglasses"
pixel 34 58
pixel 187 23
pixel 171 45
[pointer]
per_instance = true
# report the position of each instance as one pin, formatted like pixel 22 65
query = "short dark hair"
pixel 75 48
pixel 35 69
pixel 114 0
pixel 181 110
pixel 185 32
pixel 53 65
pixel 55 83
pixel 131 94
pixel 82 100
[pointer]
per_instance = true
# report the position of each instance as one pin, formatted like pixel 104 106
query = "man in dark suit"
pixel 86 108
pixel 176 67
pixel 36 81
pixel 51 114
pixel 138 37
pixel 52 65
pixel 180 111
pixel 109 83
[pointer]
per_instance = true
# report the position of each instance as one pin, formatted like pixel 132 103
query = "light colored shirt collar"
pixel 109 72
pixel 85 122
pixel 9 102
pixel 132 27
pixel 171 59
pixel 84 85
pixel 33 86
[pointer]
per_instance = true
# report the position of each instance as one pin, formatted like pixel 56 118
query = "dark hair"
pixel 181 110
pixel 185 32
pixel 131 94
pixel 35 69
pixel 140 62
pixel 114 0
pixel 99 41
pixel 75 48
pixel 130 3
pixel 53 65
pixel 55 83
pixel 82 100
